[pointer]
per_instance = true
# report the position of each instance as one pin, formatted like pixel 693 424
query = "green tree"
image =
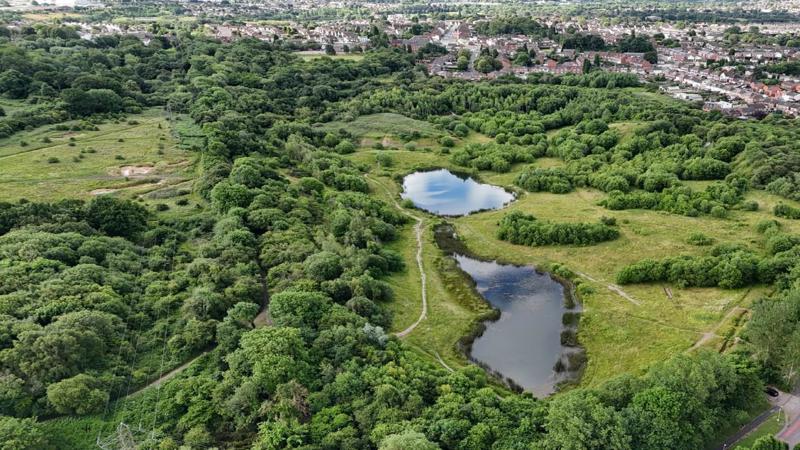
pixel 20 434
pixel 93 101
pixel 768 443
pixel 77 395
pixel 578 421
pixel 116 217
pixel 407 440
pixel 14 84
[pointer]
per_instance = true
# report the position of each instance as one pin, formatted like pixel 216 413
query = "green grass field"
pixel 378 126
pixel 619 334
pixel 11 106
pixel 136 156
pixel 452 305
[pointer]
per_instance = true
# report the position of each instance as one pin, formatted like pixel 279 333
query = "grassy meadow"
pixel 138 156
pixel 624 329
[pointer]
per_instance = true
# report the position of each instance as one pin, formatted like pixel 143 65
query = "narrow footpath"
pixel 418 228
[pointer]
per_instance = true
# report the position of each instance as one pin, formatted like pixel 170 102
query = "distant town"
pixel 740 69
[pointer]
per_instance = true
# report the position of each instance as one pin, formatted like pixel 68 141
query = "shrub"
pixel 731 269
pixel 384 159
pixel 519 228
pixel 699 239
pixel 719 212
pixel 553 180
pixel 447 141
pixel 786 211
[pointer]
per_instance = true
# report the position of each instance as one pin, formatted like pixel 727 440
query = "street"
pixel 791 407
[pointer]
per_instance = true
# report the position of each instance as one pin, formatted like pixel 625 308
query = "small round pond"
pixel 443 193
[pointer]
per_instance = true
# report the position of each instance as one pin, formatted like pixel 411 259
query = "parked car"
pixel 771 391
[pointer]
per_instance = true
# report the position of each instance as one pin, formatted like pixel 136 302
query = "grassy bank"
pixel 624 329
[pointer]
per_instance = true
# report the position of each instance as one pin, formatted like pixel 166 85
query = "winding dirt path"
pixel 424 313
pixel 611 287
pixel 423 279
pixel 707 336
pixel 167 376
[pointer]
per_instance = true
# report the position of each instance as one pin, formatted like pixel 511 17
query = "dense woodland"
pixel 97 298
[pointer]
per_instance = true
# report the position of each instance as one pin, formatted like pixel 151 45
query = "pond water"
pixel 532 343
pixel 443 193
pixel 524 344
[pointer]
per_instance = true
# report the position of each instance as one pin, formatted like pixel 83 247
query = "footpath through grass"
pixel 619 335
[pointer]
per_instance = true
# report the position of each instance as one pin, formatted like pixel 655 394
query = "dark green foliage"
pixel 21 434
pixel 635 44
pixel 678 200
pixel 584 42
pixel 730 269
pixel 116 217
pixel 519 228
pixel 768 443
pixel 772 332
pixel 77 395
pixel 786 211
pixel 14 84
pixel 699 239
pixel 293 226
pixel 705 169
pixel 787 67
pixel 93 101
pixel 512 24
pixel 553 180
pixel 496 157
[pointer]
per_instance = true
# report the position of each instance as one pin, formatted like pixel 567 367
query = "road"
pixel 749 428
pixel 790 404
pixel 791 407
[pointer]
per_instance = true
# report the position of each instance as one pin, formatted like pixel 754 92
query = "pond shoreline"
pixel 568 368
pixel 425 188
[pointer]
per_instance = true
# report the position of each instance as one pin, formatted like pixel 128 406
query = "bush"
pixel 385 160
pixel 786 211
pixel 731 269
pixel 519 228
pixel 750 205
pixel 719 212
pixel 53 160
pixel 610 221
pixel 552 180
pixel 447 142
pixel 344 147
pixel 699 239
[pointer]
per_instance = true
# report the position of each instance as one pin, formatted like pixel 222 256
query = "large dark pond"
pixel 532 344
pixel 443 193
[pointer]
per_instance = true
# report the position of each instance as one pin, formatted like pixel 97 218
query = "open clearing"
pixel 381 125
pixel 620 335
pixel 135 156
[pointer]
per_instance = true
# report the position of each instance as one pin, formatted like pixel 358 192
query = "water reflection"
pixel 443 193
pixel 524 344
